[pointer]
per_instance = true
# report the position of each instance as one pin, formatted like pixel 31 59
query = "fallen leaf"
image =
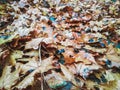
pixel 8 78
pixel 34 43
pixel 28 80
pixel 114 58
pixel 69 76
pixel 3 41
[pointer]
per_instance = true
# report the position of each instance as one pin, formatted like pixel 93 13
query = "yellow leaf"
pixel 2 41
pixel 15 55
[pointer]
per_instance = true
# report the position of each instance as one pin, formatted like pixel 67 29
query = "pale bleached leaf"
pixel 34 64
pixel 118 51
pixel 31 53
pixel 68 75
pixel 114 58
pixel 41 68
pixel 8 79
pixel 55 80
pixel 31 65
pixel 46 64
pixel 99 50
pixel 15 55
pixel 34 43
pixel 28 80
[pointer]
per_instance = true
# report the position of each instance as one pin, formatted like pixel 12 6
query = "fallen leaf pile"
pixel 59 44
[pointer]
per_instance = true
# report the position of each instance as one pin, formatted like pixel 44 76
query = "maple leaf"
pixel 55 80
pixel 69 75
pixel 37 68
pixel 86 58
pixel 8 78
pixel 34 43
pixel 112 54
pixel 15 55
pixel 113 81
pixel 28 80
pixel 3 41
pixel 99 50
pixel 31 53
pixel 114 58
pixel 118 51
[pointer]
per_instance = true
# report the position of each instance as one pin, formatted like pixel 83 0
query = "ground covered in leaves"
pixel 59 45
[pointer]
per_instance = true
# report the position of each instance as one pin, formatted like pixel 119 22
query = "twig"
pixel 40 59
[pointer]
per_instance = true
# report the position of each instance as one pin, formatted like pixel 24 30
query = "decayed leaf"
pixel 68 56
pixel 118 32
pixel 82 69
pixel 33 64
pixel 80 59
pixel 41 68
pixel 118 51
pixel 15 55
pixel 25 59
pixel 31 53
pixel 94 67
pixel 98 35
pixel 111 50
pixel 67 42
pixel 68 75
pixel 113 81
pixel 99 50
pixel 55 80
pixel 112 54
pixel 47 22
pixel 110 86
pixel 90 84
pixel 28 80
pixel 87 17
pixel 8 79
pixel 46 64
pixel 31 56
pixel 109 76
pixel 114 58
pixel 86 58
pixel 34 43
pixel 3 41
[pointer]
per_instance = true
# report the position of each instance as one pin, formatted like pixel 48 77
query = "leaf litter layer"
pixel 59 45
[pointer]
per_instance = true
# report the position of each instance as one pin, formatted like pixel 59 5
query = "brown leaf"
pixel 68 56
